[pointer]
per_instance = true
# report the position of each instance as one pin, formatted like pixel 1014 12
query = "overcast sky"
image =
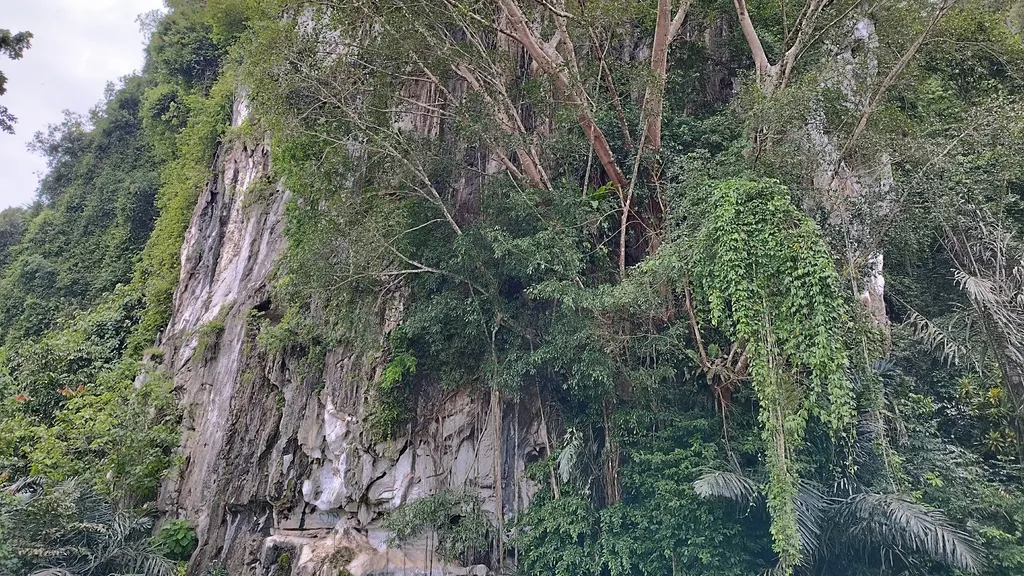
pixel 78 46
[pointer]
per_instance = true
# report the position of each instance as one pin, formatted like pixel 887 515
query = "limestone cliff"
pixel 278 470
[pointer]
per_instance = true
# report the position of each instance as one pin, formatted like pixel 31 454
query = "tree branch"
pixel 665 29
pixel 753 41
pixel 551 63
pixel 890 79
pixel 677 21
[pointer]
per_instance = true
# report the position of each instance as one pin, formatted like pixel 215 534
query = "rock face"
pixel 279 473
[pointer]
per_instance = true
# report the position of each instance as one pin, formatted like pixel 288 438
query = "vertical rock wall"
pixel 278 473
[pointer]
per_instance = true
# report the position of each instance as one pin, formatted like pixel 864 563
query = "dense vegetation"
pixel 663 224
pixel 86 277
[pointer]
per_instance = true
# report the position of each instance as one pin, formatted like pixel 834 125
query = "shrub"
pixel 177 539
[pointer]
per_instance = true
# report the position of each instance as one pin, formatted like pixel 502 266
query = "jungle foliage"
pixel 86 277
pixel 661 225
pixel 12 46
pixel 674 256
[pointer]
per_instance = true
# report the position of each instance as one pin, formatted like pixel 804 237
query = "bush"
pixel 456 517
pixel 177 539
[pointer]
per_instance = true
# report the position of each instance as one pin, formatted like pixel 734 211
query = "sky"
pixel 79 46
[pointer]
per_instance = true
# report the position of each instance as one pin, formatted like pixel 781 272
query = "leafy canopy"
pixel 13 46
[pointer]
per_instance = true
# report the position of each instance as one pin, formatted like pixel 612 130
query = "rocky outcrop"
pixel 278 472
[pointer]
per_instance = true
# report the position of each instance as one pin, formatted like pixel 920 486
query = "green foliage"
pixel 87 273
pixel 461 527
pixel 503 288
pixel 208 337
pixel 177 539
pixel 165 113
pixel 401 364
pixel 284 564
pixel 835 530
pixel 559 536
pixel 183 179
pixel 80 347
pixel 96 214
pixel 946 458
pixel 522 295
pixel 86 277
pixel 971 71
pixel 12 46
pixel 391 399
pixel 182 49
pixel 70 407
pixel 229 19
pixel 662 526
pixel 898 523
pixel 13 224
pixel 66 528
pixel 261 193
pixel 765 278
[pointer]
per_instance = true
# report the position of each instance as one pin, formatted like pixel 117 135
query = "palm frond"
pixel 571 455
pixel 893 522
pixel 52 572
pixel 943 341
pixel 144 559
pixel 731 485
pixel 885 368
pixel 69 529
pixel 810 506
pixel 990 270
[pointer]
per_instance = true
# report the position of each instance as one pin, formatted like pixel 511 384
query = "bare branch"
pixel 803 28
pixel 551 63
pixel 561 13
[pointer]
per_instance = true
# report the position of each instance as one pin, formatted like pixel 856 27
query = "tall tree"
pixel 13 46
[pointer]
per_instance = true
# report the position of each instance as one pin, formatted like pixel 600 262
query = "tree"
pixel 13 46
pixel 68 529
pixel 567 51
pixel 845 171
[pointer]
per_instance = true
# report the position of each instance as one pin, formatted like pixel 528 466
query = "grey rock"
pixel 279 461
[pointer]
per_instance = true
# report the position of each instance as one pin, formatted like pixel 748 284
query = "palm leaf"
pixel 71 530
pixel 945 341
pixel 810 506
pixel 895 523
pixel 571 456
pixel 731 485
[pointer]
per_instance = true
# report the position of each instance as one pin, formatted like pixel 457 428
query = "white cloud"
pixel 79 46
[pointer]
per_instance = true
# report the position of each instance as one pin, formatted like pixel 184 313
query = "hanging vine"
pixel 763 276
